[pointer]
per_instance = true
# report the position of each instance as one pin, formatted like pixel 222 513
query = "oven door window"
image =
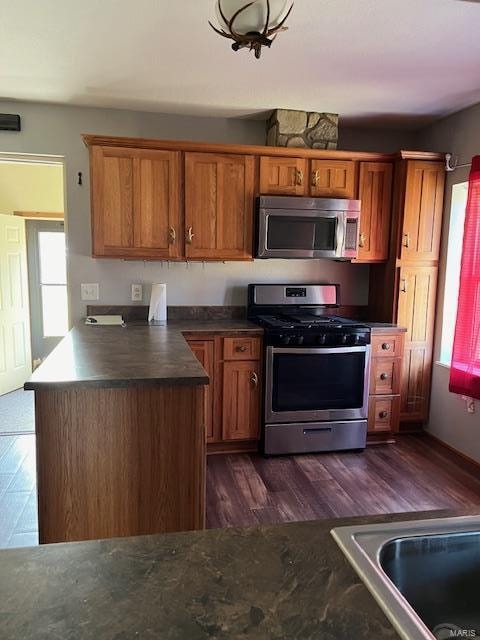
pixel 315 382
pixel 304 234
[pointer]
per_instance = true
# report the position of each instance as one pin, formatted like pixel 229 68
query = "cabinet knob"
pixel 315 178
pixel 190 235
pixel 254 379
pixel 383 415
pixel 406 240
pixel 241 348
pixel 386 346
pixel 172 234
pixel 384 376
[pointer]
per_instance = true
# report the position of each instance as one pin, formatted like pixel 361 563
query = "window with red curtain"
pixel 465 369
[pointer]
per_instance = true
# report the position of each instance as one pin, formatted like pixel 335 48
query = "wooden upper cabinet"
pixel 416 312
pixel 219 194
pixel 241 400
pixel 375 193
pixel 135 203
pixel 422 221
pixel 283 176
pixel 333 178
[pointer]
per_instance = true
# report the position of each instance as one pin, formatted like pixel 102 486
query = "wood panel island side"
pixel 120 435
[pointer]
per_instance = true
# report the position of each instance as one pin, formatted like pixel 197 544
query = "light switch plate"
pixel 137 293
pixel 90 291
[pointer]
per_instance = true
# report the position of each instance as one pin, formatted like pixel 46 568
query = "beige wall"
pixel 30 187
pixel 449 420
pixel 52 129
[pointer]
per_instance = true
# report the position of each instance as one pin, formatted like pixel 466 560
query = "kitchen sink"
pixel 424 574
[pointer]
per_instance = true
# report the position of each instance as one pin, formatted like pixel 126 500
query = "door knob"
pixel 172 235
pixel 254 379
pixel 384 376
pixel 190 235
pixel 383 415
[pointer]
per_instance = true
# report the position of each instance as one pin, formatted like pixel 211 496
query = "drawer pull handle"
pixel 315 178
pixel 383 415
pixel 254 379
pixel 386 346
pixel 362 240
pixel 403 287
pixel 406 240
pixel 241 348
pixel 298 177
pixel 384 376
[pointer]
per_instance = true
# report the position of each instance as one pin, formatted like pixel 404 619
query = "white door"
pixel 15 356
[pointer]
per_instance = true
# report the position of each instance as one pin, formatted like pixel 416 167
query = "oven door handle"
pixel 317 351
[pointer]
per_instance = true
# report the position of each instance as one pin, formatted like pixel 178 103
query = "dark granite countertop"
pixel 384 327
pixel 285 582
pixel 139 354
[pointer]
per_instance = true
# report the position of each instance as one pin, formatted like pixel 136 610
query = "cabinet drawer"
pixel 241 348
pixel 385 376
pixel 387 346
pixel 383 413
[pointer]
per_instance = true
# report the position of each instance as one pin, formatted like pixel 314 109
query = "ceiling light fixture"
pixel 251 25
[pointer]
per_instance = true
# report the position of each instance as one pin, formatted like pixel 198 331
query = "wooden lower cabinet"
pixel 232 400
pixel 241 400
pixel 204 352
pixel 416 311
pixel 385 385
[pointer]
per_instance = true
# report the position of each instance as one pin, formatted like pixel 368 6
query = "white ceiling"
pixel 400 62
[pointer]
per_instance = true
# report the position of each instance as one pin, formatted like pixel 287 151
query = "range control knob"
pixel 343 338
pixel 285 339
pixel 322 339
pixel 299 340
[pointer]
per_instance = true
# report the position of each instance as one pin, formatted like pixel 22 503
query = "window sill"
pixel 443 364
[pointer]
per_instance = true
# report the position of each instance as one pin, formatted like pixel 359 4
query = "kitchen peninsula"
pixel 120 431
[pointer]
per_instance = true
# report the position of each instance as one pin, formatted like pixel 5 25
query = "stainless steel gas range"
pixel 316 372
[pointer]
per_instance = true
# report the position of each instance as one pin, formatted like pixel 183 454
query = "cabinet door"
pixel 333 178
pixel 241 400
pixel 204 352
pixel 416 312
pixel 112 201
pixel 423 209
pixel 219 206
pixel 157 231
pixel 375 192
pixel 283 176
pixel 135 203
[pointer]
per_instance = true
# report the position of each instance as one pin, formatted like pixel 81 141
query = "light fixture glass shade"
pixel 253 18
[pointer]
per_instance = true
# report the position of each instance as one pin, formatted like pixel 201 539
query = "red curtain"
pixel 465 370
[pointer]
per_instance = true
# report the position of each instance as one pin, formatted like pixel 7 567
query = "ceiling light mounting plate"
pixel 261 24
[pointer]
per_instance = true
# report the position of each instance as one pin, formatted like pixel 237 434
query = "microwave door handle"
pixel 340 236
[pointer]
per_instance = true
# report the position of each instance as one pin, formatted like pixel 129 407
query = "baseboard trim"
pixel 474 463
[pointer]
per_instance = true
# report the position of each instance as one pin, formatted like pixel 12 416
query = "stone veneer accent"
pixel 302 129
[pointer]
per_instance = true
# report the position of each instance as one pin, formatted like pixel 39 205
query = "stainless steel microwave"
pixel 289 227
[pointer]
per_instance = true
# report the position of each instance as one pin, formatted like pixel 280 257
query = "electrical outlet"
pixel 90 291
pixel 137 293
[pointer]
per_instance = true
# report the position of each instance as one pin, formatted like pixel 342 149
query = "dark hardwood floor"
pixel 415 474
